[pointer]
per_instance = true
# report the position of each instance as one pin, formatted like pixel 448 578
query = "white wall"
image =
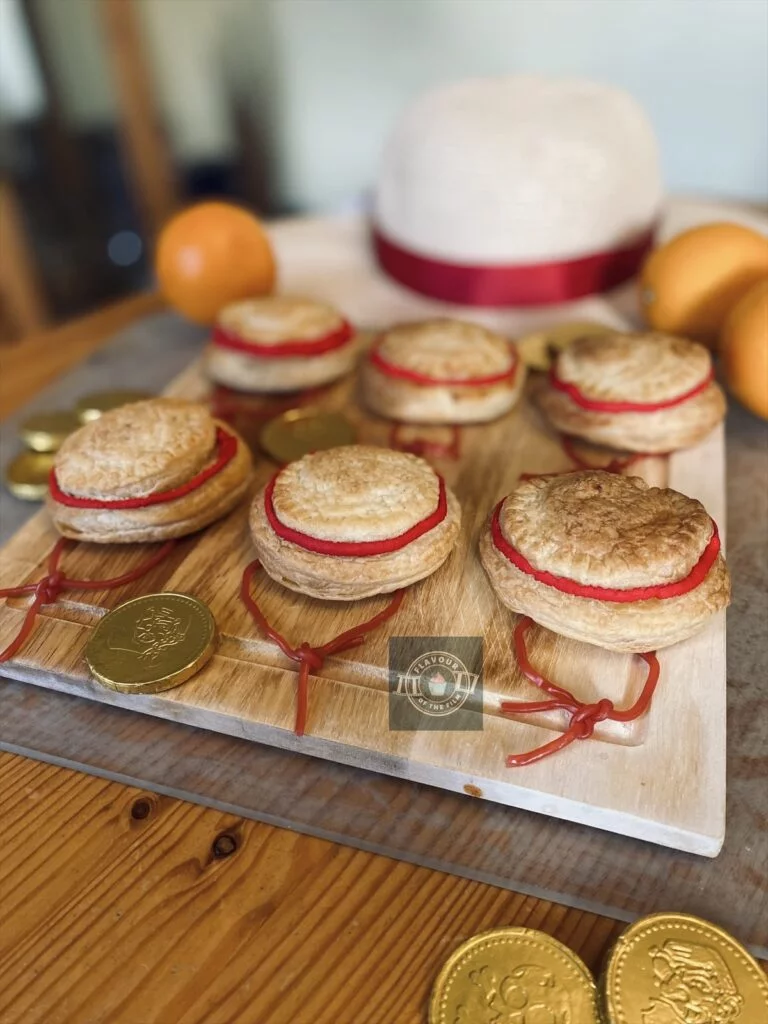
pixel 326 78
pixel 700 68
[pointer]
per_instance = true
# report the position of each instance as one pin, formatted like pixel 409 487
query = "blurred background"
pixel 115 112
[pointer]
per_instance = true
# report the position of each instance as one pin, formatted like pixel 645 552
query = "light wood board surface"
pixel 677 795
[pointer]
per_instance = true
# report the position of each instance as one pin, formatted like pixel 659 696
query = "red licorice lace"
pixel 308 658
pixel 660 591
pixel 424 447
pixel 616 465
pixel 598 405
pixel 584 717
pixel 354 549
pixel 284 349
pixel 47 590
pixel 426 380
pixel 226 449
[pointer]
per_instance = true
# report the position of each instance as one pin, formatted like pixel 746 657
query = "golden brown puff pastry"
pixel 442 371
pixel 634 370
pixel 254 345
pixel 143 451
pixel 615 536
pixel 350 522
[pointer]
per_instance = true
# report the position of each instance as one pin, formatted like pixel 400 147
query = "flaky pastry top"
pixel 447 348
pixel 137 450
pixel 633 367
pixel 603 529
pixel 276 319
pixel 355 493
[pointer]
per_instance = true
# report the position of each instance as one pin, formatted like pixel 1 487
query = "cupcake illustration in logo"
pixel 437 683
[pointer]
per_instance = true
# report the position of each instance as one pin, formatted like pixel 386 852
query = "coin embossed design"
pixel 26 476
pixel 46 431
pixel 514 975
pixel 299 431
pixel 537 349
pixel 152 643
pixel 677 969
pixel 90 407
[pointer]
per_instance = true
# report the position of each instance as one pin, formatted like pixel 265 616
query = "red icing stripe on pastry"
pixel 568 586
pixel 354 548
pixel 414 377
pixel 284 349
pixel 226 449
pixel 597 405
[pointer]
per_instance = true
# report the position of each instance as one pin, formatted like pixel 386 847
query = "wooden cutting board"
pixel 661 778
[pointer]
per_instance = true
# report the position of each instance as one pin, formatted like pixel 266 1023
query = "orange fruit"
pixel 689 285
pixel 744 349
pixel 212 254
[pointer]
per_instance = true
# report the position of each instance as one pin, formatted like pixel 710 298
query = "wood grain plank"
pixel 142 922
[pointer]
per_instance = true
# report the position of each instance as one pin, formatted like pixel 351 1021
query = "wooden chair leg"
pixel 150 168
pixel 21 292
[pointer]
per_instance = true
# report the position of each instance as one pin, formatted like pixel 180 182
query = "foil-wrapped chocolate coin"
pixel 45 431
pixel 26 476
pixel 152 643
pixel 673 967
pixel 299 431
pixel 90 407
pixel 536 349
pixel 513 974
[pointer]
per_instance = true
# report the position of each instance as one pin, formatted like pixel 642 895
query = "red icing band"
pixel 311 658
pixel 226 449
pixel 352 549
pixel 47 589
pixel 584 717
pixel 414 377
pixel 660 591
pixel 516 284
pixel 284 349
pixel 597 405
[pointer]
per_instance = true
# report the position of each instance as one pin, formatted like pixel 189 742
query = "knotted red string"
pixel 584 717
pixel 47 590
pixel 425 448
pixel 616 465
pixel 311 659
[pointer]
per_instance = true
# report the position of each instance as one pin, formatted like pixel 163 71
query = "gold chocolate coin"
pixel 677 969
pixel 513 974
pixel 45 431
pixel 300 431
pixel 152 643
pixel 26 476
pixel 90 407
pixel 536 349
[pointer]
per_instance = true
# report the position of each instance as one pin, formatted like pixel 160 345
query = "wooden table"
pixel 118 905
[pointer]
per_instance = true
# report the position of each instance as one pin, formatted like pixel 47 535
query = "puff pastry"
pixel 279 344
pixel 636 392
pixel 442 371
pixel 147 471
pixel 350 522
pixel 606 559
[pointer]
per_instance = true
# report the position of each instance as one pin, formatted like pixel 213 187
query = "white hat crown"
pixel 519 170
